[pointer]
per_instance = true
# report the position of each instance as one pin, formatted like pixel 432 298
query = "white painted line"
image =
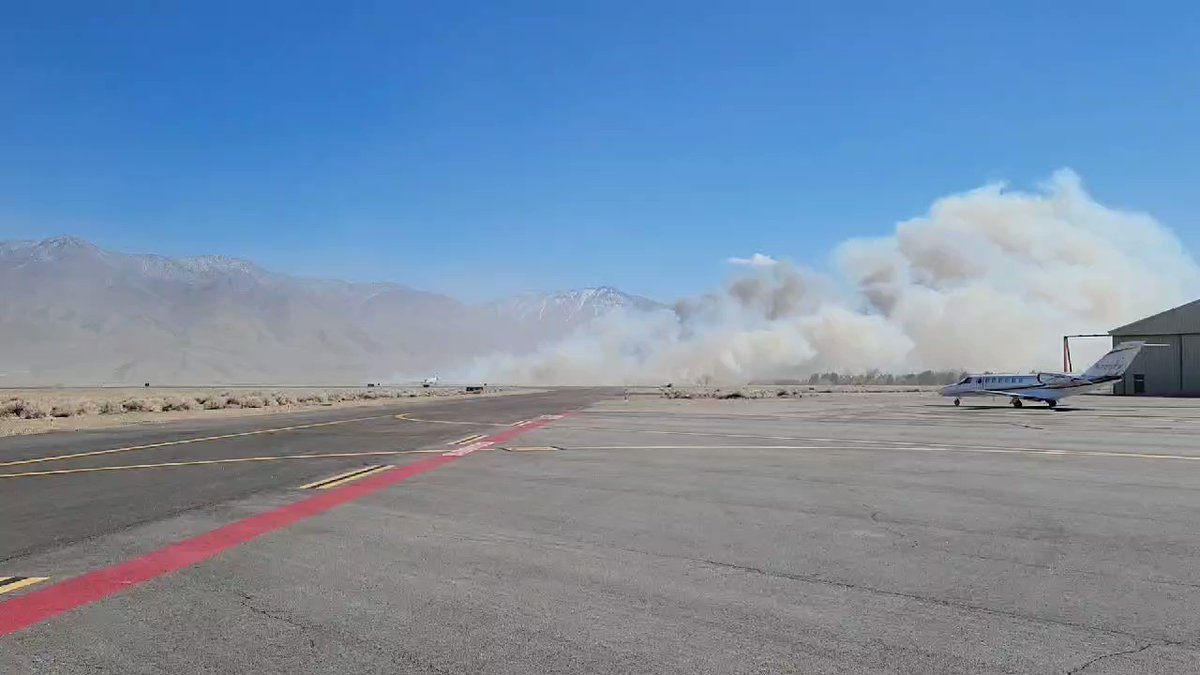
pixel 917 448
pixel 467 449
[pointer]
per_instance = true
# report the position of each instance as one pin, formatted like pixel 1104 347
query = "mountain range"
pixel 72 313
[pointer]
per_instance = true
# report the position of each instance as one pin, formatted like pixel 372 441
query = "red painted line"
pixel 33 608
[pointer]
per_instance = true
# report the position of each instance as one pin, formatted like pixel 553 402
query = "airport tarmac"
pixel 835 533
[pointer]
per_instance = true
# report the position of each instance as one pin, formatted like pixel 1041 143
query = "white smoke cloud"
pixel 756 260
pixel 987 279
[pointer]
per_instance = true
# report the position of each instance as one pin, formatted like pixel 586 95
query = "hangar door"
pixel 1190 365
pixel 1155 371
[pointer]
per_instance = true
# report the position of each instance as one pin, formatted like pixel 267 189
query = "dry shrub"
pixel 141 405
pixel 12 407
pixel 68 409
pixel 251 401
pixel 176 403
pixel 35 410
pixel 27 410
pixel 111 407
pixel 214 402
pixel 265 399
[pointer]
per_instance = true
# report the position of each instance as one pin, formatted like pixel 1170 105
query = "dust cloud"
pixel 989 279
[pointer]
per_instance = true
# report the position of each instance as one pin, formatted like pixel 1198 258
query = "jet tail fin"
pixel 1117 361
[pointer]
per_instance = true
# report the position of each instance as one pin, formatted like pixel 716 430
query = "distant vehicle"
pixel 1047 388
pixel 429 381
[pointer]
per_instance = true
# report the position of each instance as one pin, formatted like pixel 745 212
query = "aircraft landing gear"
pixel 1016 402
pixel 1051 403
pixel 957 402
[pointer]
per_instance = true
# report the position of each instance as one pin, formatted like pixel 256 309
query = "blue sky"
pixel 481 148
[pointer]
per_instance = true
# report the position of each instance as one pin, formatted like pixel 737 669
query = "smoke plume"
pixel 988 279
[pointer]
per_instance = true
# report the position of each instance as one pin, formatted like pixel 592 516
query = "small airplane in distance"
pixel 429 381
pixel 1047 388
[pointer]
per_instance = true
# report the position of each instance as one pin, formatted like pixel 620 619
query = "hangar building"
pixel 1170 370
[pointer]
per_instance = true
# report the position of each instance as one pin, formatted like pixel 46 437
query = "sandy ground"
pixel 88 404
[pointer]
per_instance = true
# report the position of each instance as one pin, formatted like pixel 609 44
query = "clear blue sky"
pixel 480 148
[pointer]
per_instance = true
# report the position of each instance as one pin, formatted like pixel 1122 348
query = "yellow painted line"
pixel 926 448
pixel 725 447
pixel 205 462
pixel 467 439
pixel 339 476
pixel 896 444
pixel 10 584
pixel 406 417
pixel 672 432
pixel 357 476
pixel 185 441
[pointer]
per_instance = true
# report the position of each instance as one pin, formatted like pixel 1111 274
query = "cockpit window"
pixel 965 380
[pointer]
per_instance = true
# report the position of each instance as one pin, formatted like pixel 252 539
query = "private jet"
pixel 1047 388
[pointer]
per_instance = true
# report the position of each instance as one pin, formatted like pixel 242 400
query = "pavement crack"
pixel 815 579
pixel 247 601
pixel 411 660
pixel 404 658
pixel 1124 652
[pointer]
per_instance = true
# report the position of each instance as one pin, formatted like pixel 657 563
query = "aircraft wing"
pixel 1016 394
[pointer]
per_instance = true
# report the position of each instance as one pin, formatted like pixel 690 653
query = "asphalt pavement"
pixel 43 512
pixel 830 534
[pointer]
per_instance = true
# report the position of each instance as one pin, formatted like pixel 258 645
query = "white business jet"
pixel 1047 388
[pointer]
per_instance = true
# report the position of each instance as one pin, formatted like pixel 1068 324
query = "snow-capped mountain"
pixel 73 313
pixel 570 308
pixel 75 251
